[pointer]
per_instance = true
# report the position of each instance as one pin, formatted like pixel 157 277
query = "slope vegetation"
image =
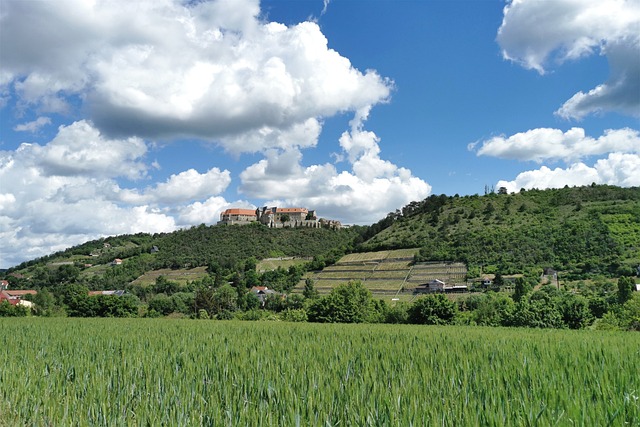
pixel 582 231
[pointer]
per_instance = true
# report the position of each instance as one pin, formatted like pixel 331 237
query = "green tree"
pixel 225 298
pixel 44 302
pixel 204 300
pixel 310 291
pixel 521 289
pixel 493 309
pixel 347 303
pixel 432 310
pixel 625 289
pixel 631 313
pixel 575 311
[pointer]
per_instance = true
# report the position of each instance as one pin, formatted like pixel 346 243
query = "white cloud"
pixel 373 188
pixel 179 188
pixel 544 144
pixel 80 149
pixel 207 212
pixel 65 193
pixel 212 70
pixel 535 33
pixel 617 169
pixel 170 70
pixel 34 125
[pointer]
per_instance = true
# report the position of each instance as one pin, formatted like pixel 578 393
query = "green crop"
pixel 129 372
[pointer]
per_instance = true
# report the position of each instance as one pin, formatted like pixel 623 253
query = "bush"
pixel 433 310
pixel 294 315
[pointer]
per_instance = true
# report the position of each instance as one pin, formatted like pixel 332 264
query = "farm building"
pixel 439 286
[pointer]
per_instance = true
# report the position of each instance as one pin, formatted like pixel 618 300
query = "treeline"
pixel 602 305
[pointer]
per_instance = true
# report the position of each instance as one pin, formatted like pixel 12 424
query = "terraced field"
pixel 181 276
pixel 385 273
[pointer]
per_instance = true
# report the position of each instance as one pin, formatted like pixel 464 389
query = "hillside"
pixel 386 274
pixel 581 231
pixel 216 247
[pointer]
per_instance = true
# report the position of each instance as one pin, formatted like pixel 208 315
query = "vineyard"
pixel 386 273
pixel 78 372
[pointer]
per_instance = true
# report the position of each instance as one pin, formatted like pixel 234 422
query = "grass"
pixel 189 373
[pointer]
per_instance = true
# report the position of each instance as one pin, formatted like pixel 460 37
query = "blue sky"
pixel 124 117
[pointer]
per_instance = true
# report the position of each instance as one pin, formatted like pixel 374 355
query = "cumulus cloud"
pixel 171 70
pixel 539 34
pixel 34 125
pixel 182 187
pixel 66 192
pixel 165 69
pixel 544 144
pixel 80 149
pixel 617 169
pixel 365 194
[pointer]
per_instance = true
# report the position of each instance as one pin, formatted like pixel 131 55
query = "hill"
pixel 581 231
pixel 215 247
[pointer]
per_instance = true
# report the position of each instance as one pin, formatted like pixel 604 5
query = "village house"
pixel 16 297
pixel 262 292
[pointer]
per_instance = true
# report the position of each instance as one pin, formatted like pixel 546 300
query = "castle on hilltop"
pixel 275 217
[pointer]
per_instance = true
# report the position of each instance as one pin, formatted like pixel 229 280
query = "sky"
pixel 119 117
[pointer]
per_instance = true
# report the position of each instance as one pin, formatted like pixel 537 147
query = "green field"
pixel 188 373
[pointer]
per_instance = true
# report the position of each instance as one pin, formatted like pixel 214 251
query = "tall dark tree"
pixel 625 289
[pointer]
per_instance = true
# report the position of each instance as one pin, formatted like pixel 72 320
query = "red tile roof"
pixel 238 211
pixel 19 293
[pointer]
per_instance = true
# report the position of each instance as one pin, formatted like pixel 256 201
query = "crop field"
pixel 83 372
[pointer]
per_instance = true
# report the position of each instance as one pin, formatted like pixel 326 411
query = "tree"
pixel 493 309
pixel 348 303
pixel 225 298
pixel 432 310
pixel 309 292
pixel 204 300
pixel 625 289
pixel 521 289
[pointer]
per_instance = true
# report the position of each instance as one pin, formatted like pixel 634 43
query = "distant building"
pixel 439 286
pixel 262 292
pixel 275 217
pixel 117 293
pixel 238 216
